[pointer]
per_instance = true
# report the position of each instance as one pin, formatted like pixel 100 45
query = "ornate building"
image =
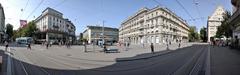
pixel 53 27
pixel 214 21
pixel 157 25
pixel 234 20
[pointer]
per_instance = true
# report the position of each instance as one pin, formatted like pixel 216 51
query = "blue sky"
pixel 113 12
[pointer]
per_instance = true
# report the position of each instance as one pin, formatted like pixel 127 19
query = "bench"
pixel 112 51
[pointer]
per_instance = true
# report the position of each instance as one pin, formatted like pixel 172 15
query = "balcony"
pixel 234 18
pixel 141 33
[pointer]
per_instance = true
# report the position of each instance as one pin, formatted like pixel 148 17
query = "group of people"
pixel 219 43
pixel 127 44
pixel 49 44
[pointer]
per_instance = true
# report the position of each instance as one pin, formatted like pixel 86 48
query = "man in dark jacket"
pixel 152 47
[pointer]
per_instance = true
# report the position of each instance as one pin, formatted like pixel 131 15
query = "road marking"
pixel 208 62
pixel 24 69
pixel 9 61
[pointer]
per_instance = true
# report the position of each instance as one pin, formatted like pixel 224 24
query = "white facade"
pixel 157 25
pixel 2 23
pixel 214 21
pixel 94 34
pixel 54 27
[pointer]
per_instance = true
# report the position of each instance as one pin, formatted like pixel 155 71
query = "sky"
pixel 112 12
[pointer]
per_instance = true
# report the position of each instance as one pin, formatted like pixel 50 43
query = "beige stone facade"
pixel 157 25
pixel 53 27
pixel 214 21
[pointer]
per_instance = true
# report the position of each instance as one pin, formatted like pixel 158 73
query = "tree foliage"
pixel 203 34
pixel 225 28
pixel 9 30
pixel 27 31
pixel 193 34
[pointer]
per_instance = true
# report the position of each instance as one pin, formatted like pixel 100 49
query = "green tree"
pixel 9 30
pixel 225 28
pixel 30 29
pixel 193 35
pixel 203 34
pixel 27 31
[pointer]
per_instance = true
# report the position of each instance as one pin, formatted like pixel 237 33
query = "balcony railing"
pixel 235 15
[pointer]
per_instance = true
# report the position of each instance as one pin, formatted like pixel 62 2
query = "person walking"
pixel 46 43
pixel 6 45
pixel 85 47
pixel 179 45
pixel 29 46
pixel 152 47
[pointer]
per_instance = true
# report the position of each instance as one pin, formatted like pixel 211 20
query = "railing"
pixel 234 16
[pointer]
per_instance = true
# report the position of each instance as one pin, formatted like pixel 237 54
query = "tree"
pixel 203 34
pixel 9 30
pixel 225 28
pixel 193 35
pixel 27 31
pixel 30 29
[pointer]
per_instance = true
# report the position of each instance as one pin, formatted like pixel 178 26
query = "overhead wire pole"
pixel 184 9
pixel 22 10
pixel 158 2
pixel 59 4
pixel 35 9
pixel 197 8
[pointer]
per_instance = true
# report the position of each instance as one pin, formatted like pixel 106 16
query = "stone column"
pixel 47 36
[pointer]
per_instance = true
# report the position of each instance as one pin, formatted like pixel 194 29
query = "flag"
pixel 23 23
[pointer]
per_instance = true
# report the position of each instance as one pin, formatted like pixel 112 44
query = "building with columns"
pixel 53 27
pixel 2 24
pixel 235 19
pixel 157 25
pixel 214 21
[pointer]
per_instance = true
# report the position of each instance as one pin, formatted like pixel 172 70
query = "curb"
pixel 141 58
pixel 148 57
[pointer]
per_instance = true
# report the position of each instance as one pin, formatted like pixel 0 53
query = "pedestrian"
pixel 85 47
pixel 104 47
pixel 6 45
pixel 51 43
pixel 152 47
pixel 46 43
pixel 143 45
pixel 179 45
pixel 125 45
pixel 29 46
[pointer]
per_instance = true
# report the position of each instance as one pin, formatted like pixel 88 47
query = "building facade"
pixel 2 24
pixel 214 21
pixel 53 27
pixel 157 25
pixel 234 20
pixel 93 34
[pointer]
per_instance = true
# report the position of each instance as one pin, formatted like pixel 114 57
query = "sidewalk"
pixel 224 61
pixel 77 52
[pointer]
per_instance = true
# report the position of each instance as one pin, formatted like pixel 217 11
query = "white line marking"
pixel 9 65
pixel 24 69
pixel 208 62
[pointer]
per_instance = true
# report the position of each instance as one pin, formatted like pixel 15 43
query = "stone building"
pixel 53 27
pixel 214 21
pixel 157 25
pixel 94 34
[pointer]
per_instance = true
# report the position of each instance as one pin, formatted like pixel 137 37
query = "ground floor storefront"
pixel 54 37
pixel 154 38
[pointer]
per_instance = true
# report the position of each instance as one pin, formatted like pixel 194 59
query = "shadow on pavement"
pixel 107 70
